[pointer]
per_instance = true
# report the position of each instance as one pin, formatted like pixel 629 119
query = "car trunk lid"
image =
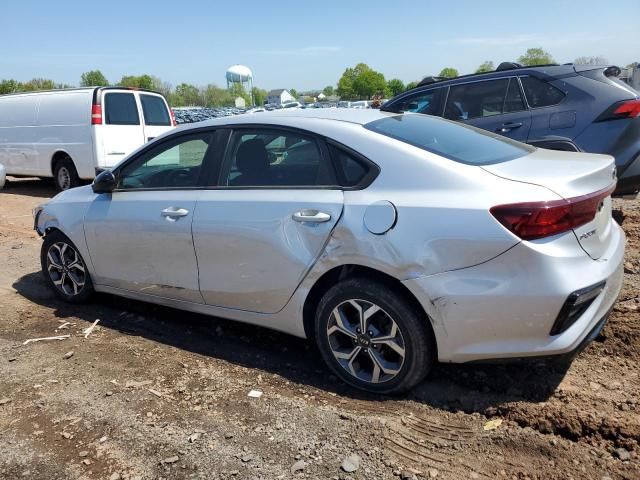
pixel 585 183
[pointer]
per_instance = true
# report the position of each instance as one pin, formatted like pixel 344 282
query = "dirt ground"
pixel 156 393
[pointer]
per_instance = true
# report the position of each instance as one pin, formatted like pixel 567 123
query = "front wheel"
pixel 64 268
pixel 373 338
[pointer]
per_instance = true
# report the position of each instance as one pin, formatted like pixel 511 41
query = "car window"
pixel 429 103
pixel 351 170
pixel 454 141
pixel 539 93
pixel 476 100
pixel 154 110
pixel 173 164
pixel 121 109
pixel 514 101
pixel 272 158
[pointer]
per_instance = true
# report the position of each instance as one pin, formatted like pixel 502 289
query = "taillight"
pixel 533 220
pixel 625 109
pixel 173 118
pixel 96 114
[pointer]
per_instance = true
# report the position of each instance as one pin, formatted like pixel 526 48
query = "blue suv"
pixel 561 107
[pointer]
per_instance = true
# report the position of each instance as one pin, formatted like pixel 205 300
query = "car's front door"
pixel 260 230
pixel 139 236
pixel 494 105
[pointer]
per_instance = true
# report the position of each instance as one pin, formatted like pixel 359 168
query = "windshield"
pixel 451 140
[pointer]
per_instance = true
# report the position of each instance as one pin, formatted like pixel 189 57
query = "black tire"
pixel 65 291
pixel 65 175
pixel 416 335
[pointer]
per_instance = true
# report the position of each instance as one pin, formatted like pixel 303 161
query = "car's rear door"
pixel 121 132
pixel 496 105
pixel 267 220
pixel 156 115
pixel 139 236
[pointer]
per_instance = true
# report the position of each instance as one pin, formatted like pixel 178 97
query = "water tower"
pixel 239 74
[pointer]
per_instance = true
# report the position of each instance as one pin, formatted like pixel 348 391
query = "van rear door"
pixel 122 130
pixel 156 115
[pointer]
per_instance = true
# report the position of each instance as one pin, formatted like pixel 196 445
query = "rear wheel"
pixel 64 269
pixel 65 174
pixel 373 338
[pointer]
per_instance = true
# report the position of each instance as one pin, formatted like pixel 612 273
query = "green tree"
pixel 361 82
pixel 395 86
pixel 328 90
pixel 448 72
pixel 591 61
pixel 237 90
pixel 9 86
pixel 486 66
pixel 535 56
pixel 142 81
pixel 187 95
pixel 93 78
pixel 259 96
pixel 294 93
pixel 411 85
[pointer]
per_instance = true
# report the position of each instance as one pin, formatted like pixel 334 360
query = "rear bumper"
pixel 506 308
pixel 629 179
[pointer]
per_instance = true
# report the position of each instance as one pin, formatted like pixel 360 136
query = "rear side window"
pixel 429 103
pixel 271 158
pixel 154 110
pixel 461 143
pixel 475 100
pixel 539 93
pixel 121 109
pixel 350 170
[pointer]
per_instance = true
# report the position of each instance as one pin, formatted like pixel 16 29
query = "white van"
pixel 73 133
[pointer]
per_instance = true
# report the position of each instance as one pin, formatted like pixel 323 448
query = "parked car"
pixel 391 240
pixel 69 134
pixel 3 176
pixel 360 104
pixel 344 104
pixel 560 107
pixel 291 105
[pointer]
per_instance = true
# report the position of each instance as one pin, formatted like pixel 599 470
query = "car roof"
pixel 544 70
pixel 288 117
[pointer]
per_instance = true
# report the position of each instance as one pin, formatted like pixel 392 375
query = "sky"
pixel 302 45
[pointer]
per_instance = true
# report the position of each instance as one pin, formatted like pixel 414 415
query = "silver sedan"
pixel 391 240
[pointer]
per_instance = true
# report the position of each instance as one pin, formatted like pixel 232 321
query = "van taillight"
pixel 625 109
pixel 533 220
pixel 173 118
pixel 96 115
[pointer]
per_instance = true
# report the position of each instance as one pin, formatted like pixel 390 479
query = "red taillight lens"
pixel 630 109
pixel 96 114
pixel 534 220
pixel 626 109
pixel 173 118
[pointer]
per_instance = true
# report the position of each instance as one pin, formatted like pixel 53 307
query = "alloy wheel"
pixel 366 341
pixel 66 268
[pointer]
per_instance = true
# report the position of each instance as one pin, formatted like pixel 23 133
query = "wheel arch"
pixel 57 156
pixel 342 272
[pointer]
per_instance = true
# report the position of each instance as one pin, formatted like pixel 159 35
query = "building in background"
pixel 279 96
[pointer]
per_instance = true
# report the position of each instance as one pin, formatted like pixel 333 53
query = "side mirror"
pixel 105 182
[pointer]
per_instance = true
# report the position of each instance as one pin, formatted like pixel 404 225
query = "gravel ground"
pixel 156 393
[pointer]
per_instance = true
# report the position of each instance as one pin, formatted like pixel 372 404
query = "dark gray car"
pixel 560 107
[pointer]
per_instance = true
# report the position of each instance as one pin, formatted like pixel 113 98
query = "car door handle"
pixel 312 216
pixel 173 213
pixel 507 127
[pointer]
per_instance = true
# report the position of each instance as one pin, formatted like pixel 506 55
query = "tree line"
pixel 356 83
